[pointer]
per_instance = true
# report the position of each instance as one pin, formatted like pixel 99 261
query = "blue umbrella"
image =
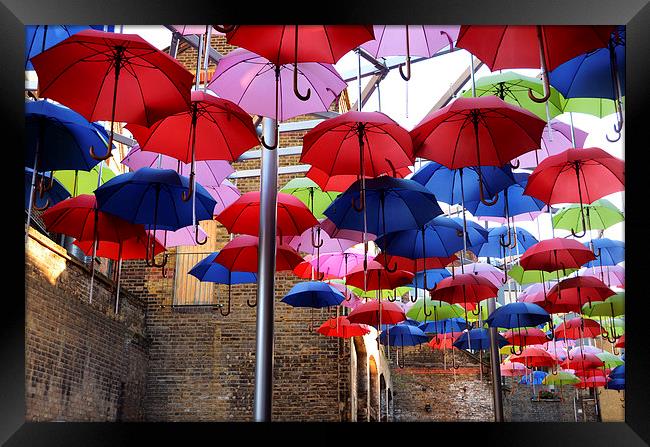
pixel 513 204
pixel 518 315
pixel 538 377
pixel 207 270
pixel 445 183
pixel 618 373
pixel 402 335
pixel 478 339
pixel 607 251
pixel 444 326
pixel 51 196
pixel 313 294
pixel 476 234
pixel 153 197
pixel 596 74
pixel 39 38
pixel 494 247
pixel 433 277
pixel 615 384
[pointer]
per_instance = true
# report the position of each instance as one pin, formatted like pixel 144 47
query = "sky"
pixel 408 103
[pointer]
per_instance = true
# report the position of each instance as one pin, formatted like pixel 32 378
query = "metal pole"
pixel 263 398
pixel 359 78
pixel 471 72
pixel 32 192
pixel 92 261
pixel 494 365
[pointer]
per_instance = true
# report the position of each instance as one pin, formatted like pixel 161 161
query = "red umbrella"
pixel 582 362
pixel 340 183
pixel 555 254
pixel 484 131
pixel 592 382
pixel 444 341
pixel 305 269
pixel 525 336
pixel 416 265
pixel 377 277
pixel 533 356
pixel 369 313
pixel 285 44
pixel 240 254
pixel 576 328
pixel 577 291
pixel 341 327
pixel 243 215
pixel 576 175
pixel 116 77
pixel 540 299
pixel 133 248
pixel 531 46
pixel 621 342
pixel 464 289
pixel 79 218
pixel 210 128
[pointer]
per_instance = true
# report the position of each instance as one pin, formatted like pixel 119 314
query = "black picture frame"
pixel 635 14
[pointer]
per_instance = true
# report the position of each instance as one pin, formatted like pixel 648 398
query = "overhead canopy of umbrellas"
pixel 502 152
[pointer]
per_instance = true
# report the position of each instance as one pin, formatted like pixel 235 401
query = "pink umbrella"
pixel 490 272
pixel 559 348
pixel 524 217
pixel 575 352
pixel 182 236
pixel 561 142
pixel 510 369
pixel 225 194
pixel 192 29
pixel 410 40
pixel 303 243
pixel 351 300
pixel 341 233
pixel 612 275
pixel 338 264
pixel 535 292
pixel 262 88
pixel 208 172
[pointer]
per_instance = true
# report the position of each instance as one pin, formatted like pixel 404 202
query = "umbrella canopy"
pixel 339 183
pixel 581 361
pixel 307 271
pixel 578 291
pixel 620 343
pixel 418 264
pixel 513 89
pixel 241 253
pixel 337 264
pixel 44 197
pixel 249 80
pixel 600 215
pixel 488 271
pixel 618 372
pixel 477 339
pixel 444 341
pixel 476 233
pixel 443 326
pixel 612 306
pixel 39 38
pixel 592 382
pixel 554 141
pixel 433 277
pixel 208 172
pixel 138 247
pixel 423 40
pixel 612 275
pixel 576 328
pixel 538 378
pixel 524 277
pixel 512 202
pixel 341 233
pixel 610 360
pixel 243 216
pixel 525 336
pixel 518 315
pixel 358 143
pixel 84 182
pixel 426 309
pixel 510 369
pixel 608 252
pixel 80 218
pixel 463 289
pixel 403 334
pixel 498 237
pixel 533 356
pixel 183 236
pixel 313 294
pixel 376 277
pixel 309 193
pixel 225 194
pixel 561 378
pixel 324 243
pixel 477 132
pixel 342 328
pixel 210 128
pixel 369 313
pixel 554 254
pixel 445 183
pixel 153 197
pixel 207 270
pixel 59 138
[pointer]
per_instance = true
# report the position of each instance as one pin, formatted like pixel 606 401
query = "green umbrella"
pixel 473 315
pixel 613 306
pixel 598 107
pixel 561 378
pixel 387 293
pixel 600 215
pixel 86 181
pixel 309 193
pixel 524 277
pixel 513 89
pixel 435 310
pixel 610 360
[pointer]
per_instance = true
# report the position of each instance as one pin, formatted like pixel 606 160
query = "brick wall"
pixel 82 362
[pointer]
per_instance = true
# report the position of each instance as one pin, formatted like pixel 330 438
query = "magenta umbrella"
pixel 524 217
pixel 208 172
pixel 561 141
pixel 612 275
pixel 351 300
pixel 341 233
pixel 559 348
pixel 193 29
pixel 489 272
pixel 410 40
pixel 182 236
pixel 225 194
pixel 262 88
pixel 338 264
pixel 303 243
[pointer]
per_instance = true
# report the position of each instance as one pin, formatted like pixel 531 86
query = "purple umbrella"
pixel 559 348
pixel 208 172
pixel 303 243
pixel 225 194
pixel 612 275
pixel 410 40
pixel 351 299
pixel 338 264
pixel 261 88
pixel 330 228
pixel 489 272
pixel 561 142
pixel 525 217
pixel 182 236
pixel 192 29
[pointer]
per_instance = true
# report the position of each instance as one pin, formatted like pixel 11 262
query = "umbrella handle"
pixel 449 39
pixel 392 167
pixel 103 158
pixel 196 236
pixel 517 351
pixel 273 147
pixel 406 76
pixel 248 302
pixel 224 28
pixel 186 196
pixel 480 187
pixel 392 300
pixel 606 336
pixel 502 238
pixel 313 243
pixel 542 58
pixel 44 187
pixel 515 166
pixel 531 95
pixel 386 265
pixel 221 309
pixel 618 136
pixel 44 207
pixel 582 211
pixel 453 360
pixel 300 96
pixel 361 206
pixel 321 276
